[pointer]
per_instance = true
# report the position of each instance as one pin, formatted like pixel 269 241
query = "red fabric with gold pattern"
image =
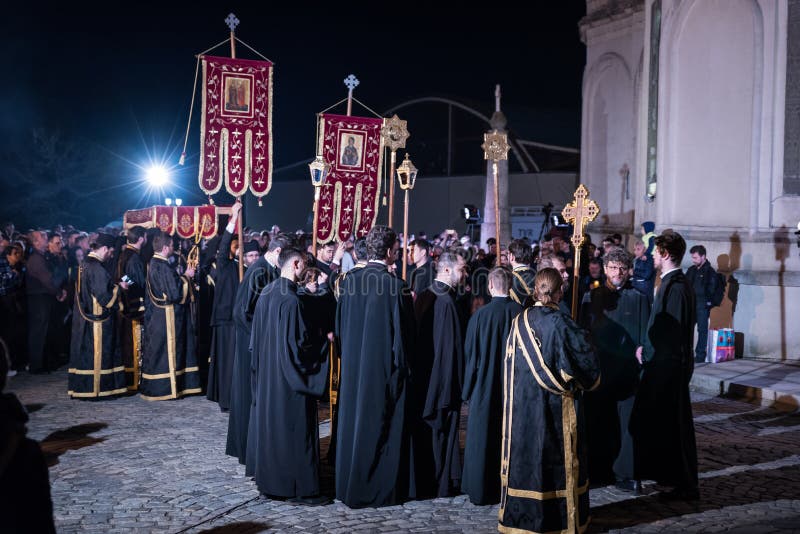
pixel 207 221
pixel 349 199
pixel 165 219
pixel 236 126
pixel 185 221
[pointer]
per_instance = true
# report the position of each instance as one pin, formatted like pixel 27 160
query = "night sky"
pixel 93 95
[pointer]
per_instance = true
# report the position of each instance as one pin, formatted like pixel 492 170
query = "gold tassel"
pixel 183 158
pixel 384 200
pixel 260 204
pixel 210 200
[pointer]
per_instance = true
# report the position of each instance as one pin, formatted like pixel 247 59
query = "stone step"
pixel 763 382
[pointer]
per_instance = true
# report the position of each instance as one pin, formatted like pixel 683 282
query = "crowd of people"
pixel 553 403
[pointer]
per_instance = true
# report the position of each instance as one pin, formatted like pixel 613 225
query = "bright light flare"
pixel 157 176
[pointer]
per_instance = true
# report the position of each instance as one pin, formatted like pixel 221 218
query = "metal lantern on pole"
pixel 394 133
pixel 319 170
pixel 495 147
pixel 407 176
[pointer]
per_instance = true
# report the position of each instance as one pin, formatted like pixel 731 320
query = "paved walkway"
pixel 128 465
pixel 764 382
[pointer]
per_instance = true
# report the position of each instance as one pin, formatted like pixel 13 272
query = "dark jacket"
pixel 703 281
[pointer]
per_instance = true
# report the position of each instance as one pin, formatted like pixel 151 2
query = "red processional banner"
pixel 186 221
pixel 236 126
pixel 165 219
pixel 348 202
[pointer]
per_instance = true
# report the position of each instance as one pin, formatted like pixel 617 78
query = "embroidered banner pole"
pixel 236 125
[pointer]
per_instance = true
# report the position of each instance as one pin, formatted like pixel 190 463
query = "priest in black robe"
pixel 95 366
pixel 257 276
pixel 441 325
pixel 223 341
pixel 616 316
pixel 662 424
pixel 424 269
pixel 548 363
pixel 520 256
pixel 289 370
pixel 131 267
pixel 169 364
pixel 374 324
pixel 484 350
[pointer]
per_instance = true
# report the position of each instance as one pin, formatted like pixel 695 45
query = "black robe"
pixel 256 278
pixel 662 423
pixel 617 321
pixel 374 324
pixel 169 364
pixel 95 366
pixel 521 290
pixel 223 340
pixel 289 370
pixel 130 264
pixel 543 464
pixel 484 350
pixel 422 277
pixel 440 351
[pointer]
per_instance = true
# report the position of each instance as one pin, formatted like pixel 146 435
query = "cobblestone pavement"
pixel 131 465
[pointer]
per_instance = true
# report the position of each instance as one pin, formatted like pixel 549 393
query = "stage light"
pixel 157 176
pixel 178 201
pixel 168 201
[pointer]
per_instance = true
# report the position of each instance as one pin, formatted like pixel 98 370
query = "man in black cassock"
pixel 661 424
pixel 543 465
pixel 169 364
pixel 95 366
pixel 374 323
pixel 223 342
pixel 424 270
pixel 257 276
pixel 440 354
pixel 484 350
pixel 335 282
pixel 520 255
pixel 616 315
pixel 289 367
pixel 130 265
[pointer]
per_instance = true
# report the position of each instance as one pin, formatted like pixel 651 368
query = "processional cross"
pixel 579 212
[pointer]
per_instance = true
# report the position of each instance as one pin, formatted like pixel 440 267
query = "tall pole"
pixel 394 133
pixel 316 207
pixel 351 82
pixel 392 164
pixel 232 22
pixel 405 235
pixel 580 212
pixel 495 172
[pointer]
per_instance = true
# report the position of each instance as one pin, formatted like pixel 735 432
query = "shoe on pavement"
pixel 316 500
pixel 629 485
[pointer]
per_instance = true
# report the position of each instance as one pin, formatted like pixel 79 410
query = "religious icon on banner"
pixel 351 147
pixel 348 201
pixel 236 126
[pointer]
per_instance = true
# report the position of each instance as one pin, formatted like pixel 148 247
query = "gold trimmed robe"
pixel 544 484
pixel 95 366
pixel 169 365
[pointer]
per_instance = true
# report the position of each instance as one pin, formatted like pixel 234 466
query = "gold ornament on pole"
pixel 407 176
pixel 579 213
pixel 319 170
pixel 394 133
pixel 495 147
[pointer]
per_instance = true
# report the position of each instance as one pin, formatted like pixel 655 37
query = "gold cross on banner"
pixel 580 212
